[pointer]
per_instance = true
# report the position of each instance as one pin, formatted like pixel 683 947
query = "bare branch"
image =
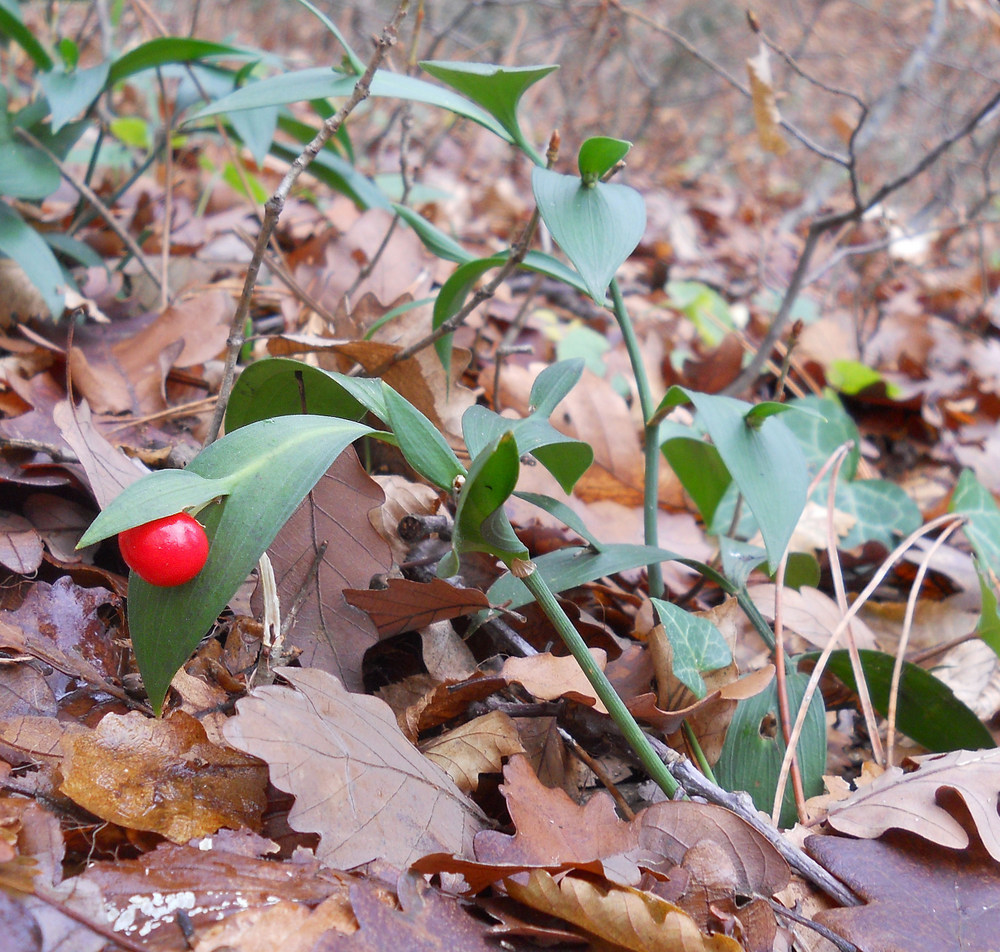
pixel 276 203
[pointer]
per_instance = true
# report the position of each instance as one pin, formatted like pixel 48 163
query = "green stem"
pixel 651 436
pixel 620 714
pixel 699 754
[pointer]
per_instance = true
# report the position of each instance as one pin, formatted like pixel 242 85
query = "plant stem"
pixel 651 436
pixel 699 754
pixel 620 714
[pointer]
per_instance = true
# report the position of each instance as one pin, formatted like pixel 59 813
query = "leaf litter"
pixel 153 827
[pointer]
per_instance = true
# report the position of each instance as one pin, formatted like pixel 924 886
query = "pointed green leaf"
pixel 30 251
pixel 553 384
pixel 599 155
pixel 700 469
pixel 597 227
pixel 321 82
pixel 568 517
pixel 988 627
pixel 766 463
pixel 423 446
pixel 71 93
pixel 165 50
pixel 269 467
pixel 153 496
pixel 572 566
pixel 752 753
pixel 972 500
pixel 697 645
pixel 278 386
pixel 435 240
pixel 11 25
pixel 498 89
pixel 357 64
pixel 927 710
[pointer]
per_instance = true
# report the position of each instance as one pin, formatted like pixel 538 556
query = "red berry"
pixel 166 552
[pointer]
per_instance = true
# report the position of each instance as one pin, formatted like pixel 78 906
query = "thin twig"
pixel 276 203
pixel 88 193
pixel 695 784
pixel 817 673
pixel 833 554
pixel 481 294
pixel 911 606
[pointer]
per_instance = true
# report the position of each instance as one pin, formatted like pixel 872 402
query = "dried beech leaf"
pixel 208 883
pixel 358 782
pixel 551 828
pixel 548 677
pixel 330 633
pixel 920 896
pixel 163 776
pixel 407 605
pixel 624 917
pixel 909 801
pixel 475 747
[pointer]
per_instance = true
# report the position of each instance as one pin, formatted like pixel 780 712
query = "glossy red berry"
pixel 166 552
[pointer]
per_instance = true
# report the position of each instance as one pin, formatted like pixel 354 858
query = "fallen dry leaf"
pixel 358 782
pixel 427 921
pixel 407 606
pixel 548 677
pixel 921 897
pixel 475 748
pixel 162 775
pixel 909 801
pixel 330 633
pixel 625 918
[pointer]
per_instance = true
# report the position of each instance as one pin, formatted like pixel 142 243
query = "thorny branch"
pixel 276 203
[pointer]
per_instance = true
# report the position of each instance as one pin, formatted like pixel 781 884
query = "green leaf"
pixel 597 227
pixel 278 386
pixel 357 64
pixel 598 155
pixel 553 384
pixel 423 446
pixel 768 408
pixel 451 298
pixel 481 525
pixel 11 25
pixel 329 167
pixel 256 128
pixel 26 172
pixel 882 510
pixel 154 496
pixel 739 559
pixel 269 467
pixel 564 514
pixel 754 747
pixel 172 49
pixel 824 429
pixel 927 711
pixel 498 89
pixel 988 627
pixel 697 645
pixel 765 462
pixel 972 500
pixel 321 82
pixel 435 240
pixel 572 566
pixel 704 307
pixel 71 93
pixel 700 469
pixel 30 251
pixel 852 376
